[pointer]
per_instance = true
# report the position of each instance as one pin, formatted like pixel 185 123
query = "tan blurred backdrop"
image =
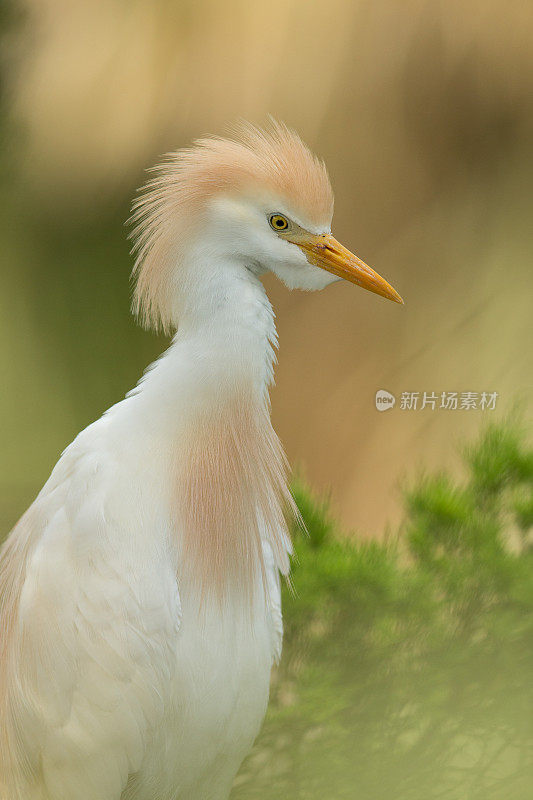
pixel 423 111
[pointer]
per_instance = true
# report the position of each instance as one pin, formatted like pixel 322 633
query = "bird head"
pixel 260 199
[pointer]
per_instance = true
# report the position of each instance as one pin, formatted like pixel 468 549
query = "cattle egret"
pixel 140 595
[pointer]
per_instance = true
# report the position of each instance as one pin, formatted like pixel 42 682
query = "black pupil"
pixel 280 223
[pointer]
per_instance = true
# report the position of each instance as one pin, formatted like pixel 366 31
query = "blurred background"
pixel 407 665
pixel 423 112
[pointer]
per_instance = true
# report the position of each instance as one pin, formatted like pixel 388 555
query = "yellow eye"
pixel 278 222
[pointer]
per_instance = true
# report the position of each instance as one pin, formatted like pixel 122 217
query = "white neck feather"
pixel 206 401
pixel 226 334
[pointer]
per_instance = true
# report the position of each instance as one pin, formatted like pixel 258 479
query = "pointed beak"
pixel 326 252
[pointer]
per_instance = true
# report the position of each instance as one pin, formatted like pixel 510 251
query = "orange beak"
pixel 326 252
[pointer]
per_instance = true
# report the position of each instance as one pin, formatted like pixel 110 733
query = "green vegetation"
pixel 407 668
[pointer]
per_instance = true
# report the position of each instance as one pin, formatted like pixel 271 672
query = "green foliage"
pixel 407 667
pixel 315 514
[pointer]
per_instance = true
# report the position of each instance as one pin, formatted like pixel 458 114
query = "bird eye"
pixel 278 222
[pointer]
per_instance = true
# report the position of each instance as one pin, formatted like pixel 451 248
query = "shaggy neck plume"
pixel 229 482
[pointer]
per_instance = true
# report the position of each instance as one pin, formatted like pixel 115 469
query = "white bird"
pixel 140 597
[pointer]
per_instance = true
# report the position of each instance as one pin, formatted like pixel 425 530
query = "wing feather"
pixel 86 645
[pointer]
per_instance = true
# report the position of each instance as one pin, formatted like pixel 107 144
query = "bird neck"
pixel 227 321
pixel 224 344
pixel 207 401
